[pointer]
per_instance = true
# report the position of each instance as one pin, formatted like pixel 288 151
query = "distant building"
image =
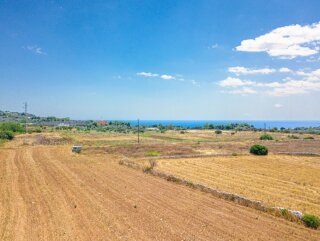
pixel 102 123
pixel 152 129
pixel 63 124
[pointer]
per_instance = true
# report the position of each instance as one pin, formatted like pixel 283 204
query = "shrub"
pixel 309 138
pixel 152 164
pixel 293 137
pixel 6 135
pixel 147 169
pixel 234 154
pixel 311 221
pixel 190 184
pixel 11 126
pixel 259 150
pixel 152 153
pixel 266 137
pixel 218 132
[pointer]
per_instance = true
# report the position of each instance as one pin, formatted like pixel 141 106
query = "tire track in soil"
pixel 49 194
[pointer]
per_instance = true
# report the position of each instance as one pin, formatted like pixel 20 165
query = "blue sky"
pixel 161 59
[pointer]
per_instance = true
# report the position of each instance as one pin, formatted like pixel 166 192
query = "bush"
pixel 309 138
pixel 293 137
pixel 218 132
pixel 266 137
pixel 311 221
pixel 152 153
pixel 11 126
pixel 6 135
pixel 259 150
pixel 152 164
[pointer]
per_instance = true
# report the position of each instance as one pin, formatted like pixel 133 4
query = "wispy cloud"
pixel 147 74
pixel 243 70
pixel 167 77
pixel 178 77
pixel 286 42
pixel 235 82
pixel 35 49
pixel 213 46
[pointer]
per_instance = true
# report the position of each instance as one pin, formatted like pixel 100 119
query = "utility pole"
pixel 25 115
pixel 138 131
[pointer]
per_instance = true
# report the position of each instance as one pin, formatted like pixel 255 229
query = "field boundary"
pixel 226 154
pixel 291 215
pixel 191 156
pixel 299 153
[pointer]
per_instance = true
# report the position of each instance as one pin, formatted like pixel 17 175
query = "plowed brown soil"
pixel 47 193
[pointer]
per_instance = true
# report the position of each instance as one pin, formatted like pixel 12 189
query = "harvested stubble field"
pixel 278 180
pixel 48 193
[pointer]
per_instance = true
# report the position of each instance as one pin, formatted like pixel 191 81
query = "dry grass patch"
pixel 285 181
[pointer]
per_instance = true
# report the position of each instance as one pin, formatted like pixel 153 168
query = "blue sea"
pixel 257 124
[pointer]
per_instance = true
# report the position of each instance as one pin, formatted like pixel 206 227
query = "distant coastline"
pixel 257 124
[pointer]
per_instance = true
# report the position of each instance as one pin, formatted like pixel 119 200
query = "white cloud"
pixel 147 74
pixel 243 70
pixel 308 82
pixel 294 87
pixel 234 82
pixel 35 49
pixel 167 77
pixel 177 77
pixel 278 105
pixel 284 70
pixel 286 42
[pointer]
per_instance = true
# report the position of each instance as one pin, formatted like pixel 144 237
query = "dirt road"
pixel 47 193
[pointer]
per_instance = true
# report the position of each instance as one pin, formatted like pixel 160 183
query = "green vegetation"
pixel 152 165
pixel 233 126
pixel 152 153
pixel 6 135
pixel 9 129
pixel 11 126
pixel 218 132
pixel 266 137
pixel 309 138
pixel 190 184
pixel 259 150
pixel 293 137
pixel 311 221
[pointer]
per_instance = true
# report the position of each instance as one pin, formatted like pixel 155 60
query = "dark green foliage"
pixel 309 138
pixel 293 137
pixel 259 150
pixel 6 135
pixel 233 126
pixel 311 221
pixel 266 137
pixel 218 132
pixel 11 126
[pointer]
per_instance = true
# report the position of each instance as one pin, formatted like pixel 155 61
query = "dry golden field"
pixel 49 193
pixel 278 180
